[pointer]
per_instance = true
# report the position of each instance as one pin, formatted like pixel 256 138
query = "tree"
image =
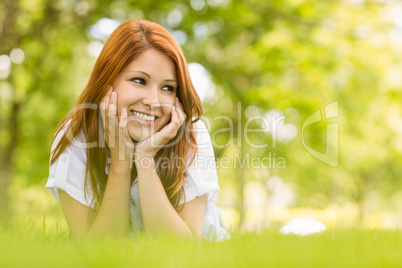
pixel 294 57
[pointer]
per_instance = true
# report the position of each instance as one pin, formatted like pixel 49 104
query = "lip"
pixel 142 121
pixel 144 113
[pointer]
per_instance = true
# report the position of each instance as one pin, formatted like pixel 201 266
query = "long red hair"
pixel 123 46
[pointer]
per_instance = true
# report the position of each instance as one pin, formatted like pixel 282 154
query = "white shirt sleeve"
pixel 203 179
pixel 68 172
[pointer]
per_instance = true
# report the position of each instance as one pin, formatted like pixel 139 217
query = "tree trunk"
pixel 4 197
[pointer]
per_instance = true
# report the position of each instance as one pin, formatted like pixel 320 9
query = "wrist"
pixel 120 165
pixel 143 161
pixel 120 157
pixel 140 154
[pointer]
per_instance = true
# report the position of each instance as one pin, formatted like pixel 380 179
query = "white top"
pixel 68 174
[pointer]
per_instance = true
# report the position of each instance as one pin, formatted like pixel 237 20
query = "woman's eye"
pixel 168 88
pixel 138 81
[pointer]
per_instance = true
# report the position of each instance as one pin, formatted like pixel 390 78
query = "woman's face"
pixel 147 89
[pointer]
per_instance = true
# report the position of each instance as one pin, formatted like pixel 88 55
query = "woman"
pixel 141 159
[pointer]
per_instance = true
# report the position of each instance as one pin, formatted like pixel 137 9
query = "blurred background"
pixel 265 65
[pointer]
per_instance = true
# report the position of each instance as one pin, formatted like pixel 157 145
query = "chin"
pixel 139 134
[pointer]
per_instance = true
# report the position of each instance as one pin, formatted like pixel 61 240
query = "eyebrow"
pixel 144 73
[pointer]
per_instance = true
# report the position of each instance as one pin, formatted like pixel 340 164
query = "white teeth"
pixel 144 116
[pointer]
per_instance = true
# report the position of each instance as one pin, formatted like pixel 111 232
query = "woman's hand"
pixel 149 147
pixel 116 134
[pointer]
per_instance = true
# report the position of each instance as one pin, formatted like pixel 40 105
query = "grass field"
pixel 333 248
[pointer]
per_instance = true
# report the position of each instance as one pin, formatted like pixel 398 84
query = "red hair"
pixel 132 38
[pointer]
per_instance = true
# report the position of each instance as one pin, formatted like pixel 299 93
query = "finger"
pixel 175 117
pixel 123 124
pixel 112 112
pixel 169 131
pixel 123 118
pixel 180 110
pixel 123 127
pixel 106 100
pixel 122 133
pixel 180 119
pixel 178 104
pixel 174 125
pixel 103 112
pixel 112 105
pixel 103 105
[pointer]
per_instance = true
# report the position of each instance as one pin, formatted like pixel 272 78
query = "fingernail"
pixel 124 111
pixel 174 108
pixel 114 94
pixel 112 107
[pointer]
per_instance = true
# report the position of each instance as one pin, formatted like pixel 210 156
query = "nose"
pixel 151 98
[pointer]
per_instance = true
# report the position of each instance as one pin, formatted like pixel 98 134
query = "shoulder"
pixel 203 138
pixel 77 145
pixel 201 174
pixel 68 171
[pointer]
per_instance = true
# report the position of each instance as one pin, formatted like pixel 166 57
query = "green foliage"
pixel 282 55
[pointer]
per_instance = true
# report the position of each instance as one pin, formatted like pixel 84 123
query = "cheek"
pixel 167 114
pixel 168 99
pixel 124 99
pixel 168 102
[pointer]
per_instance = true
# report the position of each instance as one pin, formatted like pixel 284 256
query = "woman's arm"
pixel 112 219
pixel 158 214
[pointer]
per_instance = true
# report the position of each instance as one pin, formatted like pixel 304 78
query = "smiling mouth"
pixel 148 118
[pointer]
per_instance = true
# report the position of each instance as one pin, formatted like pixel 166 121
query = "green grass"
pixel 333 248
